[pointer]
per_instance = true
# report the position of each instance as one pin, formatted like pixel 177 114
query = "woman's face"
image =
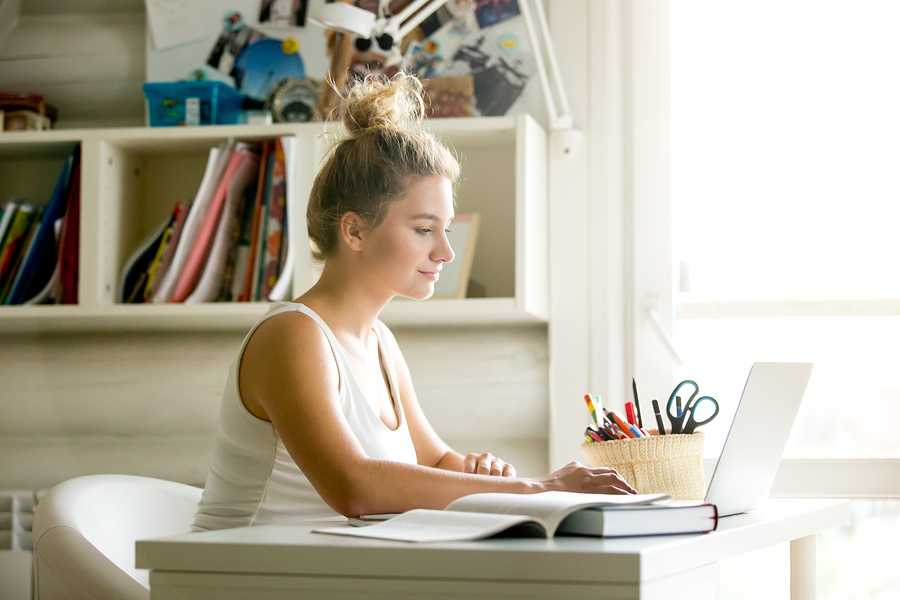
pixel 408 249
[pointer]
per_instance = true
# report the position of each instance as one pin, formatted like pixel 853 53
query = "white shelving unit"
pixel 131 178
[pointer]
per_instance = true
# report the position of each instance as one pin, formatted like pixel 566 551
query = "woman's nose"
pixel 443 252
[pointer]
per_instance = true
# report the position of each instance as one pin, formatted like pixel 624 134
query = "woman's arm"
pixel 289 369
pixel 431 450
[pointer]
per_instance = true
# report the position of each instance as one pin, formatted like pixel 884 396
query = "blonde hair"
pixel 386 145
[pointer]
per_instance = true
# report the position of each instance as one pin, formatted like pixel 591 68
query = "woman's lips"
pixel 432 275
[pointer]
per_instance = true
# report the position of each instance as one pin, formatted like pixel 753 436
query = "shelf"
pixel 240 316
pixel 131 178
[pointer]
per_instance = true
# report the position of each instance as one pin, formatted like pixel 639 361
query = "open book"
pixel 478 516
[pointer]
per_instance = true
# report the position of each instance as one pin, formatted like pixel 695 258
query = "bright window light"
pixel 786 147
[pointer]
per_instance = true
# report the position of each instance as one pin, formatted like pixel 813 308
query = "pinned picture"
pixel 500 64
pixel 492 12
pixel 449 96
pixel 255 61
pixel 283 13
pixel 454 279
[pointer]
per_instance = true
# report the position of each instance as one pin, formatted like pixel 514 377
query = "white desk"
pixel 275 562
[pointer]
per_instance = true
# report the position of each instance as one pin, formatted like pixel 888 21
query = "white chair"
pixel 85 530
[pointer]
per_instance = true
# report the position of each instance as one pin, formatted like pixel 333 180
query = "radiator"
pixel 16 514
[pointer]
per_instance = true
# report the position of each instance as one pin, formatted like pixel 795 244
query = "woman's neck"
pixel 350 304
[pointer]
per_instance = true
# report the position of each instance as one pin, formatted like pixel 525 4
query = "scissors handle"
pixel 691 423
pixel 677 417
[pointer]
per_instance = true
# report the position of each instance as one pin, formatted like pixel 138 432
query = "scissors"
pixel 686 421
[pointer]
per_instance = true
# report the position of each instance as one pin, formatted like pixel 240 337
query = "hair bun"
pixel 376 103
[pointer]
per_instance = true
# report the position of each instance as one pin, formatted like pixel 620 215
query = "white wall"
pixel 148 403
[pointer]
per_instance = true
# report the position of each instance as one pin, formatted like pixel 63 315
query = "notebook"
pixel 478 516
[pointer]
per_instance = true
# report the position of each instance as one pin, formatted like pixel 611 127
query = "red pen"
pixel 629 413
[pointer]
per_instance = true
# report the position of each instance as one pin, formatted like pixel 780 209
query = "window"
pixel 785 141
pixel 786 208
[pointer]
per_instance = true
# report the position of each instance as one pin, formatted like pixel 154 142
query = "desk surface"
pixel 294 550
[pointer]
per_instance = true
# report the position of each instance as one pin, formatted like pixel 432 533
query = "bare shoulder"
pixel 284 348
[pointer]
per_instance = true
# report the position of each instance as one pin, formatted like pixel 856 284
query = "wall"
pixel 148 403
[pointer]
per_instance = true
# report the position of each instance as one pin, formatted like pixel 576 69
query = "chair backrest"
pixel 85 530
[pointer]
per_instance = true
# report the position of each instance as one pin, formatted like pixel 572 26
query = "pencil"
pixel 637 404
pixel 591 409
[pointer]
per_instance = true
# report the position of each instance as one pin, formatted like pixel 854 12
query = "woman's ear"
pixel 352 229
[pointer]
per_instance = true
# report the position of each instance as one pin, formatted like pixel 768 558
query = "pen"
pixel 629 413
pixel 629 430
pixel 594 435
pixel 659 421
pixel 637 404
pixel 611 430
pixel 599 402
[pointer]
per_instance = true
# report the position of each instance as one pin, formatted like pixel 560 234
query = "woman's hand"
pixel 576 477
pixel 485 463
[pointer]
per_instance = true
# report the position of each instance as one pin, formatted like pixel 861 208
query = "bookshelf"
pixel 131 177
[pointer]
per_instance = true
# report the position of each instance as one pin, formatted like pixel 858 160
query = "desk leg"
pixel 803 568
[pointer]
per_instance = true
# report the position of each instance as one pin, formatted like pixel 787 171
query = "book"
pixel 215 166
pixel 478 516
pixel 39 262
pixel 271 248
pixel 133 279
pixel 247 291
pixel 202 243
pixel 181 211
pixel 282 288
pixel 154 271
pixel 69 243
pixel 210 282
pixel 259 247
pixel 21 230
pixel 242 251
pixel 52 290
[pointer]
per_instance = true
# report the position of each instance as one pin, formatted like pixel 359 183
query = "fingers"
pixel 613 481
pixel 485 463
pixel 470 462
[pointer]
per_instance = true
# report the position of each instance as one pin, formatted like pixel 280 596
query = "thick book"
pixel 546 514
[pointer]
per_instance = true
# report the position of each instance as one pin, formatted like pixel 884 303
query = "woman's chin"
pixel 419 293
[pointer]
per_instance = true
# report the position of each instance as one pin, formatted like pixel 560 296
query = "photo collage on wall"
pixel 473 56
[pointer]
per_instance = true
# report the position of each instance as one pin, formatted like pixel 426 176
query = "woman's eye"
pixel 423 230
pixel 446 231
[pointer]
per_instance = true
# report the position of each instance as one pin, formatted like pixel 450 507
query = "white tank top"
pixel 252 480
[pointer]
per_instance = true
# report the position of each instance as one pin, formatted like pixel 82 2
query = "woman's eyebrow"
pixel 428 216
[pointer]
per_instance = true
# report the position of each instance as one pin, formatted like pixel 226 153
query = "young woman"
pixel 319 416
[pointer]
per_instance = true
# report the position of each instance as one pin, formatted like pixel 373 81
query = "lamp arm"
pixel 412 23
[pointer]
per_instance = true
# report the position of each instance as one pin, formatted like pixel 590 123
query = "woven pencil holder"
pixel 671 464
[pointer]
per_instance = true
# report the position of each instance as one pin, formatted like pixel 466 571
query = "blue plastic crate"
pixel 176 103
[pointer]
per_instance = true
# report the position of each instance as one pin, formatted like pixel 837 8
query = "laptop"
pixel 745 471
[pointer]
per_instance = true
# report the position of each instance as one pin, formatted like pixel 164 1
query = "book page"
pixel 550 508
pixel 427 525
